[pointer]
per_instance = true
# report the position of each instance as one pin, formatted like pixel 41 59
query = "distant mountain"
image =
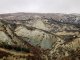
pixel 66 18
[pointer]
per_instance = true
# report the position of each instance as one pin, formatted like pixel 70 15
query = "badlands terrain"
pixel 39 36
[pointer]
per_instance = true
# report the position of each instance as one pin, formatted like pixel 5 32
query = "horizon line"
pixel 39 13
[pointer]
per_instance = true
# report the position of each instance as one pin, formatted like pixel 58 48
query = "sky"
pixel 40 6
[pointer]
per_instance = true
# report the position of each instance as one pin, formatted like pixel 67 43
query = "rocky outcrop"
pixel 40 38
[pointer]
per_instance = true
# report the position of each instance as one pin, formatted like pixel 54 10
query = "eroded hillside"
pixel 53 37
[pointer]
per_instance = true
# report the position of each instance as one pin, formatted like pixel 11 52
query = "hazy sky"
pixel 40 6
